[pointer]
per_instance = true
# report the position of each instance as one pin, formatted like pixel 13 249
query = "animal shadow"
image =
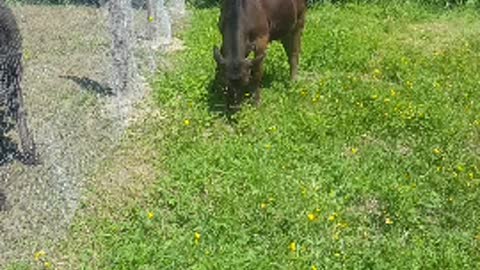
pixel 90 85
pixel 216 98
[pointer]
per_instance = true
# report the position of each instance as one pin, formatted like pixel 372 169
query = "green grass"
pixel 369 161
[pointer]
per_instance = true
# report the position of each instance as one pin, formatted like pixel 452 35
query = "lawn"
pixel 369 161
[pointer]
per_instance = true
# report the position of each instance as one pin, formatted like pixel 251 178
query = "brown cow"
pixel 249 26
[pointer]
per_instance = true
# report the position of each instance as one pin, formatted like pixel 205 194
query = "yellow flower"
pixel 263 205
pixel 151 215
pixel 471 175
pixel 332 217
pixel 314 267
pixel 268 146
pixel 354 150
pixel 393 93
pixel 388 221
pixel 197 236
pixel 39 254
pixel 186 122
pixel 293 246
pixel 377 71
pixel 409 84
pixel 437 151
pixel 150 18
pixel 337 254
pixel 48 265
pixel 311 217
pixel 374 97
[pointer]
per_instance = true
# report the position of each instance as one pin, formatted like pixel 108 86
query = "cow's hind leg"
pixel 292 45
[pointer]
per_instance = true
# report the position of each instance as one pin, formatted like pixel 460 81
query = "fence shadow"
pixel 3 201
pixel 8 151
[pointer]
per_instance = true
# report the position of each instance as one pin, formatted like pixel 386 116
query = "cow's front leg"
pixel 257 74
pixel 257 68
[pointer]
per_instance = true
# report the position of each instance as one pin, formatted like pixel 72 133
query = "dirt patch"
pixel 76 121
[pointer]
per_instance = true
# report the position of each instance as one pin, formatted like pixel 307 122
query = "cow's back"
pixel 282 15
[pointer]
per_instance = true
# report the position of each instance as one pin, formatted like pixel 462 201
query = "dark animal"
pixel 12 110
pixel 248 26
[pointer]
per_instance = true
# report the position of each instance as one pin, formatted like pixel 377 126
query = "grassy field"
pixel 369 161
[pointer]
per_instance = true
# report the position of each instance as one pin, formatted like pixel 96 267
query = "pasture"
pixel 369 161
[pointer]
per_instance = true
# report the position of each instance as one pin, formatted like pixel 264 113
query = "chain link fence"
pixel 80 72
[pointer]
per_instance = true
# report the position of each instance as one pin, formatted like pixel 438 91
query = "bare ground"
pixel 76 125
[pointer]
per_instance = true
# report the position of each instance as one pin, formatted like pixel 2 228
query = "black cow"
pixel 248 26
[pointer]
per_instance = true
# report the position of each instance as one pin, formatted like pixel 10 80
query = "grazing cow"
pixel 12 110
pixel 248 26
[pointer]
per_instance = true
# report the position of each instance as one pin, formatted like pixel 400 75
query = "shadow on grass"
pixel 216 95
pixel 90 85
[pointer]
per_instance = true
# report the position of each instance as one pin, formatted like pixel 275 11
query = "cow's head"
pixel 236 73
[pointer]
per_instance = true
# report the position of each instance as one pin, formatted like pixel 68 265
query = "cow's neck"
pixel 234 36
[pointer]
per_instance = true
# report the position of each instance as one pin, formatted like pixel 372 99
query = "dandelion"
pixel 186 122
pixel 314 267
pixel 150 18
pixel 471 175
pixel 151 215
pixel 48 265
pixel 263 205
pixel 354 150
pixel 293 246
pixel 409 84
pixel 39 255
pixel 388 221
pixel 437 151
pixel 393 92
pixel 311 217
pixel 374 97
pixel 337 254
pixel 460 168
pixel 332 217
pixel 197 236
